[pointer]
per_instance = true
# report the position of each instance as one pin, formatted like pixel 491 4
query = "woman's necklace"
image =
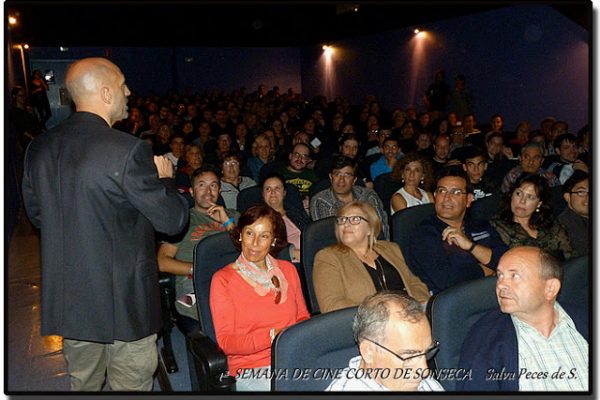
pixel 381 275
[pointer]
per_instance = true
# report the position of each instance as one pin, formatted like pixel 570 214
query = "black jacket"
pixel 95 194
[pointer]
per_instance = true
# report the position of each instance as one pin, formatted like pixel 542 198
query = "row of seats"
pixel 316 235
pixel 310 346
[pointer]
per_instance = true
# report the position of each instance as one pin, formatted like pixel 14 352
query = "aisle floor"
pixel 35 363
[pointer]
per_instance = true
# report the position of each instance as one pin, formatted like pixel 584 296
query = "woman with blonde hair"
pixel 359 264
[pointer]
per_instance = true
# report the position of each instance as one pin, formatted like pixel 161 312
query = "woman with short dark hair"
pixel 255 297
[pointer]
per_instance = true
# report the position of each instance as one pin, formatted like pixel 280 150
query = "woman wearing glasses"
pixel 359 265
pixel 417 177
pixel 231 181
pixel 255 297
pixel 526 219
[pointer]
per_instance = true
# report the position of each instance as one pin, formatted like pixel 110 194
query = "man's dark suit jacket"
pixel 492 344
pixel 95 194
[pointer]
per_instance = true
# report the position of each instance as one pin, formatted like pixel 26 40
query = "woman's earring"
pixel 273 244
pixel 402 180
pixel 537 209
pixel 423 180
pixel 240 239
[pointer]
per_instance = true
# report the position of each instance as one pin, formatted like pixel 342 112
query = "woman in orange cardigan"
pixel 255 297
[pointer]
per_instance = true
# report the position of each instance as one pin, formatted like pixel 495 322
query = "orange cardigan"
pixel 243 319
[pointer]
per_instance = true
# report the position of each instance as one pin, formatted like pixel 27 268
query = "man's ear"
pixel 330 178
pixel 464 167
pixel 105 95
pixel 567 197
pixel 551 288
pixel 366 349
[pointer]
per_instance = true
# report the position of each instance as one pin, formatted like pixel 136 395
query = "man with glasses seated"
pixel 575 217
pixel 297 172
pixel 395 343
pixel 448 248
pixel 344 190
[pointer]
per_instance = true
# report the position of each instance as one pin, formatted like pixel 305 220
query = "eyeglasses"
pixel 442 191
pixel 522 194
pixel 581 193
pixel 429 353
pixel 231 162
pixel 343 174
pixel 300 155
pixel 353 219
pixel 275 282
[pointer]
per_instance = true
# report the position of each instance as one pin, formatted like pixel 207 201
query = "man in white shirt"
pixel 394 340
pixel 532 343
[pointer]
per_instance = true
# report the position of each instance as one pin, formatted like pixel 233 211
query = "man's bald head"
pixel 97 85
pixel 85 77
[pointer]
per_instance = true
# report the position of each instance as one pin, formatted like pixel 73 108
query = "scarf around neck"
pixel 262 278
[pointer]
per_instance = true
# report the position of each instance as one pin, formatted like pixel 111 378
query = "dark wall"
pixel 159 69
pixel 144 68
pixel 526 62
pixel 230 68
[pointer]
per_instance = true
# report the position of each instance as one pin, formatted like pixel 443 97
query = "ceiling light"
pixel 12 20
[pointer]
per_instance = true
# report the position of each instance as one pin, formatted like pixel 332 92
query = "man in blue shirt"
pixel 391 153
pixel 447 248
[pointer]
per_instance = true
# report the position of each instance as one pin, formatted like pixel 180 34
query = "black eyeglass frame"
pixel 581 193
pixel 343 220
pixel 429 353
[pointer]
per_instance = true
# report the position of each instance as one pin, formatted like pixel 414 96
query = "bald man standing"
pixel 97 195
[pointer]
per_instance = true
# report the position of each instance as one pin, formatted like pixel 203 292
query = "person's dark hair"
pixel 532 145
pixel 565 137
pixel 340 162
pixel 407 159
pixel 550 266
pixel 584 130
pixel 535 133
pixel 348 136
pixel 253 214
pixel 577 177
pixel 233 154
pixel 472 152
pixel 205 168
pixel 175 136
pixel 490 135
pixel 455 172
pixel 270 175
pixel 540 219
pixel 389 138
pixel 373 314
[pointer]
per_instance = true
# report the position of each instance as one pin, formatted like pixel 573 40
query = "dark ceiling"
pixel 266 23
